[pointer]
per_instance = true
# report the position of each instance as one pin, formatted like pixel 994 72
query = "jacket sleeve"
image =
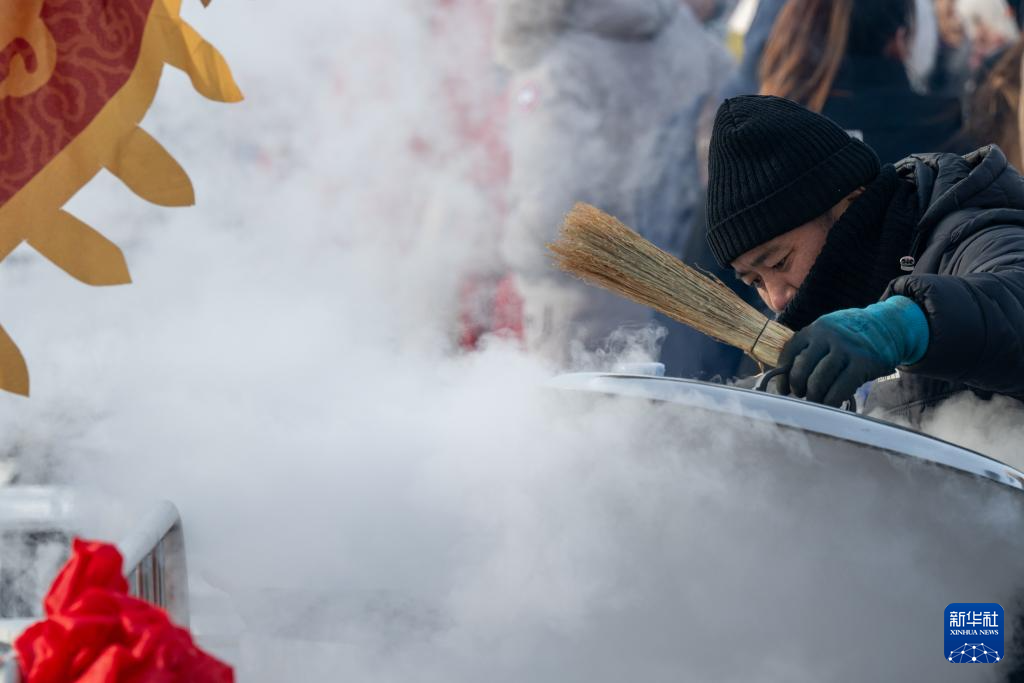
pixel 975 314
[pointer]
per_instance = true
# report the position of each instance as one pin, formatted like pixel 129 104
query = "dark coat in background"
pixel 873 100
pixel 969 280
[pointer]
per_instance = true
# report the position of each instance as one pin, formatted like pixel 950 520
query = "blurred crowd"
pixel 611 102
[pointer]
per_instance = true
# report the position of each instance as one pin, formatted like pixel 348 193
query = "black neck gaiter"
pixel 862 252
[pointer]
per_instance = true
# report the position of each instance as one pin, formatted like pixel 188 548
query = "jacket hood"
pixel 526 28
pixel 947 183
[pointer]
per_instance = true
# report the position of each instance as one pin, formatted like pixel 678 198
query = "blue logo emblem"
pixel 974 633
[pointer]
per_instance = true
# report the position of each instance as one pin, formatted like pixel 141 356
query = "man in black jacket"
pixel 909 275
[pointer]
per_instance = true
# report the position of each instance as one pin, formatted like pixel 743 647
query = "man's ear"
pixel 837 211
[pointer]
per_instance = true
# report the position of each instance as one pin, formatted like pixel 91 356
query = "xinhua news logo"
pixel 974 633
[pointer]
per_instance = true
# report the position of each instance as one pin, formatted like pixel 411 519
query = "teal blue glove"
pixel 830 359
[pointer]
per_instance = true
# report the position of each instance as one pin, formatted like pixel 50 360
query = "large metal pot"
pixel 833 545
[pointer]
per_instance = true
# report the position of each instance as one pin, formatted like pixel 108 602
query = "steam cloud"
pixel 364 503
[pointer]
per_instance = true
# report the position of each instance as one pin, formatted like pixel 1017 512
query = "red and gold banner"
pixel 76 78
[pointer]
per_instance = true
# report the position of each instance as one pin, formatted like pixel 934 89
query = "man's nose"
pixel 779 296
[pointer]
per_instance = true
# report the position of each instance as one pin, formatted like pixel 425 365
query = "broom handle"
pixel 767 355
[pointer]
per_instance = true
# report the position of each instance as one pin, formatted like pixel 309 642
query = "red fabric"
pixel 489 306
pixel 96 633
pixel 472 325
pixel 508 310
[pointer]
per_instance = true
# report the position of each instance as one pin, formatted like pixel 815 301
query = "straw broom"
pixel 601 251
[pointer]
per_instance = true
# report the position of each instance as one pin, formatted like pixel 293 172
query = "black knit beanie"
pixel 775 166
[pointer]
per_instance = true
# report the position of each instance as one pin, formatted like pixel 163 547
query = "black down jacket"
pixel 969 279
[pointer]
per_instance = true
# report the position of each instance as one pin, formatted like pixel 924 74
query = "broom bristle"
pixel 600 250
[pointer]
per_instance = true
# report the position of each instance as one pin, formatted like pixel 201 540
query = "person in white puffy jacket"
pixel 606 94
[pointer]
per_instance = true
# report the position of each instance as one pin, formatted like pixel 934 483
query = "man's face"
pixel 777 268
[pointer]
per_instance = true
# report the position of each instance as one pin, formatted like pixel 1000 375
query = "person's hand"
pixel 830 359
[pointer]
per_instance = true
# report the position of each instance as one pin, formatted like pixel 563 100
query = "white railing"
pixel 154 562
